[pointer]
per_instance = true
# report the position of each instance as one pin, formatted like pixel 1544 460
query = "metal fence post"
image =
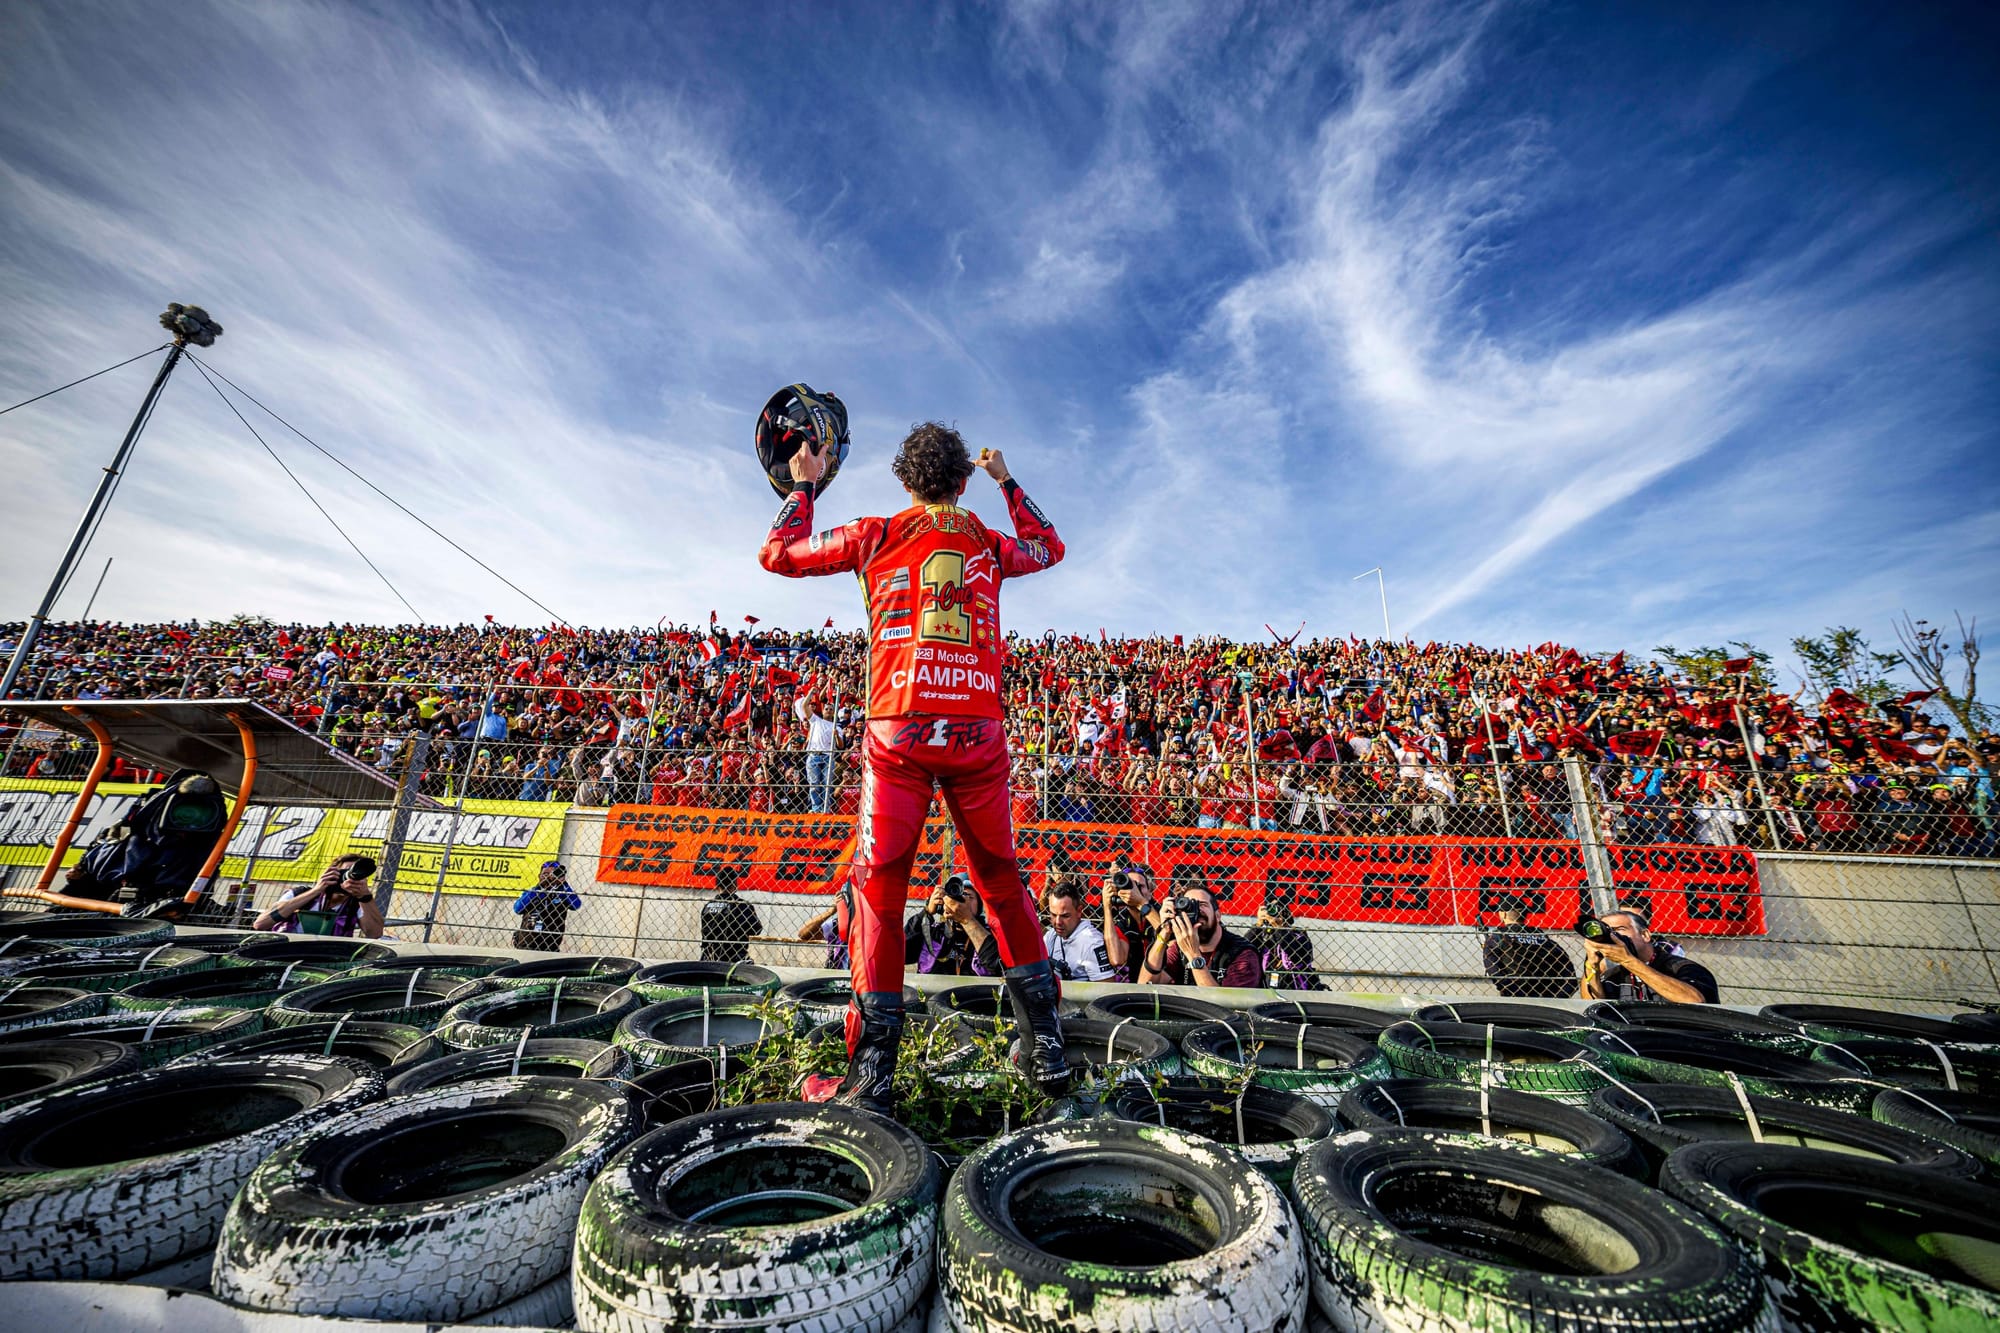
pixel 1596 858
pixel 399 820
pixel 1499 773
pixel 457 814
pixel 1757 776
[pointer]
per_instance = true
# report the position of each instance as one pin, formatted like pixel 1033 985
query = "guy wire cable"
pixel 91 376
pixel 104 510
pixel 308 494
pixel 379 491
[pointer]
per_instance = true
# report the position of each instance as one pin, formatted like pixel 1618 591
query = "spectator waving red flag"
pixel 829 622
pixel 780 676
pixel 489 619
pixel 738 716
pixel 1736 666
pixel 1840 701
pixel 1643 742
pixel 1916 697
pixel 750 620
pixel 1896 751
pixel 710 650
pixel 1377 707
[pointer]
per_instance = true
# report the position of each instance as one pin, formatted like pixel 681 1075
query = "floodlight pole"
pixel 186 323
pixel 1381 586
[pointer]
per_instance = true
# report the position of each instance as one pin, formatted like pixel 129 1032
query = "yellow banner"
pixel 496 850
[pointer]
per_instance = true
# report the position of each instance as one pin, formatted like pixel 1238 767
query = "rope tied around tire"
pixel 147 960
pixel 286 975
pixel 1944 1060
pixel 1111 1043
pixel 155 1023
pixel 1914 1095
pixel 519 1047
pixel 341 1022
pixel 1635 1095
pixel 1743 1100
pixel 1630 1048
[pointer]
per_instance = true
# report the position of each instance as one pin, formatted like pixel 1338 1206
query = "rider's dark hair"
pixel 933 463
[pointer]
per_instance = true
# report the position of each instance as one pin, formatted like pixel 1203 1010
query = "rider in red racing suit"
pixel 930 577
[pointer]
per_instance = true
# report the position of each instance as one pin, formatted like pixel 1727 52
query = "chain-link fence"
pixel 1397 875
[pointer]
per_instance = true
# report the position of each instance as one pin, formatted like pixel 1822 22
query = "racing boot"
pixel 1032 989
pixel 874 1037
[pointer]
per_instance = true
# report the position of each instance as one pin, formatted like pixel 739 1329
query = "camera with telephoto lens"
pixel 360 868
pixel 956 889
pixel 1119 879
pixel 1590 928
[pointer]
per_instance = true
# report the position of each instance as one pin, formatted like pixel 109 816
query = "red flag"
pixel 489 620
pixel 711 617
pixel 1645 742
pixel 1177 641
pixel 1616 664
pixel 1376 708
pixel 829 622
pixel 1736 666
pixel 1913 697
pixel 680 637
pixel 1896 751
pixel 749 620
pixel 1462 682
pixel 285 641
pixel 1840 701
pixel 780 676
pixel 710 650
pixel 738 716
pixel 1101 636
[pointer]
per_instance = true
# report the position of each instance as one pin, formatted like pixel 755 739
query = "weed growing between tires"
pixel 955 1086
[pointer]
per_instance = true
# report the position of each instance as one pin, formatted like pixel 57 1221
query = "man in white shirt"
pixel 1076 947
pixel 821 738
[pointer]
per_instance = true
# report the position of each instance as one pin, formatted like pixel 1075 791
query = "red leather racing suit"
pixel 930 577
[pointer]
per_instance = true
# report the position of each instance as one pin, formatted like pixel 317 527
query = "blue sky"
pixel 1614 324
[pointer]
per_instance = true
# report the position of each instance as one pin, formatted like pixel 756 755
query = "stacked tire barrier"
pixel 324 1128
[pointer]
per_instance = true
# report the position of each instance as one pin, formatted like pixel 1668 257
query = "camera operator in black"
pixel 1622 961
pixel 950 936
pixel 544 909
pixel 1131 918
pixel 343 891
pixel 1522 962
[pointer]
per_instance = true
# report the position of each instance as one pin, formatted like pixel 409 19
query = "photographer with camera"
pixel 1622 961
pixel 343 892
pixel 950 937
pixel 1077 951
pixel 1131 919
pixel 1194 948
pixel 544 909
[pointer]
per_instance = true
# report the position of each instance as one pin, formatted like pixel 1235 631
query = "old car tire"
pixel 542 1057
pixel 1536 1062
pixel 1414 1229
pixel 1062 1227
pixel 432 1206
pixel 1662 1118
pixel 1540 1122
pixel 1848 1243
pixel 1317 1063
pixel 590 1009
pixel 816 1219
pixel 122 1175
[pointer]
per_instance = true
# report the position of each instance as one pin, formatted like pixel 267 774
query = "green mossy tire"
pixel 1836 1274
pixel 1541 1063
pixel 1533 1240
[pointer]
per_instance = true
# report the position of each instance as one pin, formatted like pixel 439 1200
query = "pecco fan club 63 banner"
pixel 1392 881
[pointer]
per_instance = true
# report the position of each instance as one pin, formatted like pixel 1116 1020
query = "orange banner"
pixel 1692 890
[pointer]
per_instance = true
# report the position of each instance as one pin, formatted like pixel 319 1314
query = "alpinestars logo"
pixel 787 515
pixel 1035 510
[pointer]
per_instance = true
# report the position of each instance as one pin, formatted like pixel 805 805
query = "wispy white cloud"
pixel 1239 287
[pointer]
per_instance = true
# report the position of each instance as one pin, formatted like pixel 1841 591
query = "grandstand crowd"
pixel 1341 737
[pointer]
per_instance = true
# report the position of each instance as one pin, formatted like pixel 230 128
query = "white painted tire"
pixel 362 1218
pixel 65 1212
pixel 1229 1258
pixel 646 1261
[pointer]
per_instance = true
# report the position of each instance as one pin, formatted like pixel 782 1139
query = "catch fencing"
pixel 1385 878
